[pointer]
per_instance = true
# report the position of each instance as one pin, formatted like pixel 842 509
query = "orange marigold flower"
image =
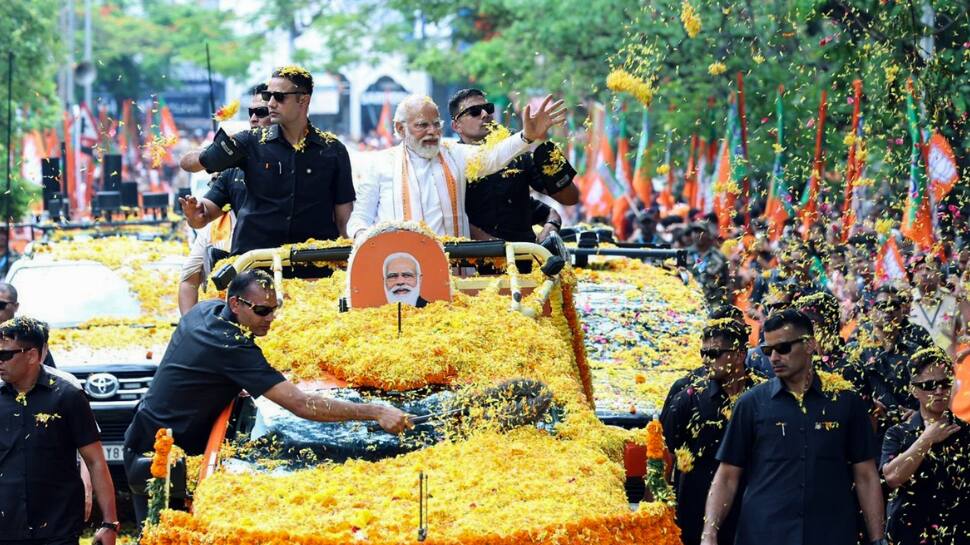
pixel 655 440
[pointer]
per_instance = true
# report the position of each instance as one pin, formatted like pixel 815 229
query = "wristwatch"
pixel 524 139
pixel 113 526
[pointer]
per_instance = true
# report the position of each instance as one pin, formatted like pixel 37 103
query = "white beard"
pixel 409 298
pixel 415 145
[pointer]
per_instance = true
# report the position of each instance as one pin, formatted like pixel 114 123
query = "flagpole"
pixel 212 93
pixel 810 209
pixel 6 211
pixel 852 169
pixel 746 185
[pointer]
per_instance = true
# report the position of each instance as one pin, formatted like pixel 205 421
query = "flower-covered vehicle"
pixel 269 477
pixel 110 303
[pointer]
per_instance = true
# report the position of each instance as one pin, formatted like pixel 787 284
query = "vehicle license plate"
pixel 114 452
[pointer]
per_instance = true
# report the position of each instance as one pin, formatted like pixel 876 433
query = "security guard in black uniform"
pixel 499 205
pixel 298 178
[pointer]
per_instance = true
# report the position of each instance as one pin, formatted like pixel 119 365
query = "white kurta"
pixel 379 193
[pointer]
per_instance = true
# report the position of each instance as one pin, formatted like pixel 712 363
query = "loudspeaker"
pixel 129 194
pixel 50 169
pixel 106 201
pixel 154 200
pixel 112 173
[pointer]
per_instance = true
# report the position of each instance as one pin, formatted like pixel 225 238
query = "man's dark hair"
pixel 792 317
pixel 27 331
pixel 258 88
pixel 927 357
pixel 727 311
pixel 297 76
pixel 8 290
pixel 243 280
pixel 456 99
pixel 821 304
pixel 728 328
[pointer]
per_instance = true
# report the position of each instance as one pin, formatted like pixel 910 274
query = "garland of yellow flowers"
pixel 474 168
pixel 158 485
pixel 657 484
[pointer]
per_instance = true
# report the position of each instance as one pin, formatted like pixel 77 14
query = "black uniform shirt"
pixel 797 459
pixel 695 419
pixel 208 361
pixel 290 194
pixel 41 495
pixel 228 187
pixel 933 507
pixel 499 203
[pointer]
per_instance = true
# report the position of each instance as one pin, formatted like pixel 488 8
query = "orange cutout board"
pixel 398 266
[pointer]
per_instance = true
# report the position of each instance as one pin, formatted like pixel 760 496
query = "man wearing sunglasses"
pixel 802 451
pixel 215 223
pixel 45 421
pixel 424 180
pixel 694 420
pixel 924 461
pixel 499 205
pixel 298 178
pixel 211 358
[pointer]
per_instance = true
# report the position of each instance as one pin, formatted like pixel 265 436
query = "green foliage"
pixel 137 43
pixel 29 31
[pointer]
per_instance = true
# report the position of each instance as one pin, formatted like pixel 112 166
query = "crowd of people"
pixel 825 389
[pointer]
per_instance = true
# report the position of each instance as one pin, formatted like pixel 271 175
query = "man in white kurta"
pixel 423 179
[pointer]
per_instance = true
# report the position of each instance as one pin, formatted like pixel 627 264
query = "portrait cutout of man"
pixel 402 279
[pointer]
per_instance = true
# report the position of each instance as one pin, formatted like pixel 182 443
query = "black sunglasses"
pixel 781 348
pixel 6 355
pixel 258 310
pixel 3 304
pixel 714 353
pixel 931 385
pixel 279 95
pixel 477 109
pixel 260 112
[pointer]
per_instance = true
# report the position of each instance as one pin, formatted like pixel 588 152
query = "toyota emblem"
pixel 101 385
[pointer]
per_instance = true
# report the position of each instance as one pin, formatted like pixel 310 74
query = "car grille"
pixel 113 425
pixel 132 386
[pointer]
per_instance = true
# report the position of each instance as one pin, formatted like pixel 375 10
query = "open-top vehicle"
pixel 269 477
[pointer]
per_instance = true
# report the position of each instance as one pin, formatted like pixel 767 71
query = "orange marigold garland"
pixel 158 485
pixel 656 483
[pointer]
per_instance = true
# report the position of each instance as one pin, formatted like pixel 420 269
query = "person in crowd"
pixel 802 449
pixel 823 309
pixel 885 352
pixel 694 424
pixel 423 179
pixel 934 307
pixel 211 358
pixel 47 422
pixel 924 461
pixel 227 190
pixel 701 372
pixel 710 267
pixel 298 180
pixel 499 205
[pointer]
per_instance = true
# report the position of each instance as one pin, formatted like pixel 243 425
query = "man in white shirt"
pixel 423 179
pixel 934 307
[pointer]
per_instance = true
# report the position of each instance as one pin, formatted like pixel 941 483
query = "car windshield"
pixel 70 293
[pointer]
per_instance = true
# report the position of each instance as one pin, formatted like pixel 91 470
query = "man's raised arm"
pixel 325 409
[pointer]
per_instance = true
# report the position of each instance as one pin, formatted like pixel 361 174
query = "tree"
pixel 29 31
pixel 138 42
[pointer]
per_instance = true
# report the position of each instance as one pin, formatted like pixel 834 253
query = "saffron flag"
pixel 691 190
pixel 889 263
pixel 808 210
pixel 917 218
pixel 853 168
pixel 623 173
pixel 730 169
pixel 642 185
pixel 942 166
pixel 779 208
pixel 384 125
pixel 166 124
pixel 89 127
